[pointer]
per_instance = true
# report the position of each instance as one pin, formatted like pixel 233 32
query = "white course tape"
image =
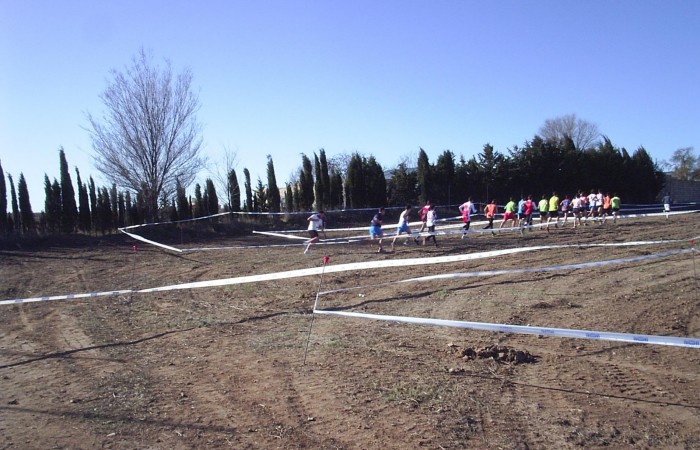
pixel 490 273
pixel 328 269
pixel 143 239
pixel 523 329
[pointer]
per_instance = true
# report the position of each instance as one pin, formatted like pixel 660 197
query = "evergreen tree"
pixel 106 211
pixel 336 189
pixel 69 210
pixel 16 221
pixel 424 177
pixel 402 186
pixel 443 178
pixel 355 187
pixel 131 216
pixel 375 182
pixel 234 192
pixel 95 216
pixel 212 199
pixel 306 184
pixel 25 206
pixel 319 187
pixel 273 191
pixel 296 194
pixel 199 207
pixel 52 206
pixel 248 190
pixel 288 198
pixel 84 221
pixel 3 202
pixel 121 214
pixel 325 179
pixel 261 197
pixel 114 205
pixel 183 204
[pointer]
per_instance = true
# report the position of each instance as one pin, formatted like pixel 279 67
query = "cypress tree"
pixel 423 173
pixel 92 192
pixel 326 180
pixel 212 205
pixel 113 205
pixel 3 202
pixel 288 198
pixel 16 221
pixel 273 192
pixel 52 210
pixel 234 192
pixel 319 188
pixel 355 187
pixel 183 204
pixel 83 205
pixel 248 191
pixel 198 201
pixel 121 216
pixel 336 189
pixel 69 210
pixel 261 198
pixel 306 184
pixel 25 206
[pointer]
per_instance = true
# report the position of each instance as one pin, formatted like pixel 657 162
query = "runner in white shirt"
pixel 316 222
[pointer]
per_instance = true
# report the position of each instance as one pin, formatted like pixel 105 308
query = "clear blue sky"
pixel 379 77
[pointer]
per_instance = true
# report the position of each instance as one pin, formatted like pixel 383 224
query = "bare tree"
pixel 685 165
pixel 584 134
pixel 148 136
pixel 222 174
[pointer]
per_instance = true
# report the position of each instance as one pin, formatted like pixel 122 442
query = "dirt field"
pixel 223 367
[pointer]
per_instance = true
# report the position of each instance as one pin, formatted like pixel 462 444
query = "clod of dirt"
pixel 499 353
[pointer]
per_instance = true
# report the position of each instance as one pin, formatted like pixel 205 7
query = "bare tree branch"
pixel 148 137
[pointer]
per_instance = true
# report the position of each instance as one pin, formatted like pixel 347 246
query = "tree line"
pixel 358 181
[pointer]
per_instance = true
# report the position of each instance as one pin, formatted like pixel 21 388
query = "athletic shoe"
pixel 381 250
pixel 464 235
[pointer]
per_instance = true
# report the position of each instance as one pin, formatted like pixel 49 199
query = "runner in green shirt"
pixel 615 205
pixel 553 210
pixel 509 213
pixel 542 206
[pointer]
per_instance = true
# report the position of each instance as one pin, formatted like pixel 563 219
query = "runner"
pixel 564 208
pixel 316 222
pixel 490 210
pixel 553 210
pixel 577 208
pixel 521 210
pixel 423 215
pixel 615 206
pixel 528 208
pixel 543 207
pixel 592 205
pixel 606 206
pixel 430 220
pixel 509 213
pixel 467 209
pixel 667 200
pixel 403 227
pixel 375 229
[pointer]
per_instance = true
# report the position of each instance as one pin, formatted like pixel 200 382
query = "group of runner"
pixel 596 206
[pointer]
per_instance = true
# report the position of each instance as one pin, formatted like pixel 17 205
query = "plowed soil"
pixel 228 366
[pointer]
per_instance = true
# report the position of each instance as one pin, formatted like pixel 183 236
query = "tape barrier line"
pixel 148 241
pixel 329 269
pixel 66 297
pixel 525 329
pixel 490 273
pixel 440 230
